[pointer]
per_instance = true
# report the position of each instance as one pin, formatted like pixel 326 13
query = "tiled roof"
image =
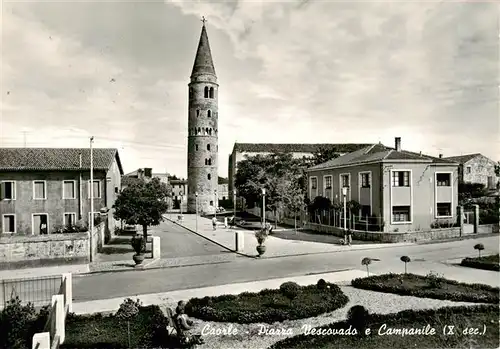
pixel 178 181
pixel 462 158
pixel 377 152
pixel 56 159
pixel 295 147
pixel 222 180
pixel 203 63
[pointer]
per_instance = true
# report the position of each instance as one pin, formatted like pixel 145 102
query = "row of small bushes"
pixel 486 262
pixel 18 324
pixel 109 331
pixel 461 317
pixel 290 302
pixel 431 286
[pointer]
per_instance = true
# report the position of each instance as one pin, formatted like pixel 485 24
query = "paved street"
pixel 176 241
pixel 424 259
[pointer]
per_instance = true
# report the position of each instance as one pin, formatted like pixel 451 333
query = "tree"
pixel 293 199
pixel 319 204
pixel 406 260
pixel 278 173
pixel 324 154
pixel 367 261
pixel 479 248
pixel 143 203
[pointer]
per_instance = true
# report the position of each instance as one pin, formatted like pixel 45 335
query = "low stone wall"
pixel 390 237
pixel 43 250
pixel 488 229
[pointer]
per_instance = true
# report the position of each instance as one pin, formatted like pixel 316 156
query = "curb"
pixel 287 255
pixel 213 241
pixel 146 269
pixel 460 238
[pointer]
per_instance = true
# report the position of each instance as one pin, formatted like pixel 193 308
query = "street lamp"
pixel 181 194
pixel 216 204
pixel 196 198
pixel 344 194
pixel 234 202
pixel 263 207
pixel 91 223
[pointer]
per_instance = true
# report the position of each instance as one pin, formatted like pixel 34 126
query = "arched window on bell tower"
pixel 209 113
pixel 211 92
pixel 209 162
pixel 206 92
pixel 208 147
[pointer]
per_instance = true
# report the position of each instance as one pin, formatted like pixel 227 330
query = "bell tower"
pixel 203 130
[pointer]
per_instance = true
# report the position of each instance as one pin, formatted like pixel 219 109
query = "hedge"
pixel 429 287
pixel 107 331
pixel 269 306
pixel 486 263
pixel 460 317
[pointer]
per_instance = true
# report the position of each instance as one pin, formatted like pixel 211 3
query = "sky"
pixel 289 72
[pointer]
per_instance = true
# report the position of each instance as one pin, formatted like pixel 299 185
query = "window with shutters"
pixel 401 178
pixel 69 219
pixel 39 190
pixel 9 223
pixel 69 189
pixel 7 190
pixel 96 189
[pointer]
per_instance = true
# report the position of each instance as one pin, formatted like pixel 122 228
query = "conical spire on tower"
pixel 203 63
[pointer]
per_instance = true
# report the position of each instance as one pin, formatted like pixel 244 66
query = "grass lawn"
pixel 107 331
pixel 268 306
pixel 430 286
pixel 486 262
pixel 482 318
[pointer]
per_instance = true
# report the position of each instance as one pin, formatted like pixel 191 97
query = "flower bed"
pixel 430 286
pixel 484 318
pixel 487 262
pixel 107 331
pixel 269 306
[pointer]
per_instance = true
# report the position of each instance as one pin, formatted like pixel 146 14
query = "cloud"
pixel 288 72
pixel 359 68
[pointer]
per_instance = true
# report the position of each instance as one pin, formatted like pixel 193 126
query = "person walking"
pixel 214 223
pixel 349 237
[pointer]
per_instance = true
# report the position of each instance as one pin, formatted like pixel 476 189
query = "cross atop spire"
pixel 203 63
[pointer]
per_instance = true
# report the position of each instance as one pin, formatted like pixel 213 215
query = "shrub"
pixel 460 317
pixel 405 260
pixel 138 244
pixel 290 290
pixel 268 306
pixel 105 331
pixel 321 284
pixel 486 262
pixel 18 324
pixel 479 248
pixel 358 317
pixel 435 280
pixel 421 286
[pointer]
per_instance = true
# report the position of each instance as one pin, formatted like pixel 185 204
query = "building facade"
pixel 242 150
pixel 202 130
pixel 406 191
pixel 477 168
pixel 47 189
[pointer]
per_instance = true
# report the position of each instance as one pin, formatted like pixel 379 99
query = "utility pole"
pixel 91 223
pixel 24 138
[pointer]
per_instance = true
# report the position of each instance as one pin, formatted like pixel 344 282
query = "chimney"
pixel 148 172
pixel 440 156
pixel 398 143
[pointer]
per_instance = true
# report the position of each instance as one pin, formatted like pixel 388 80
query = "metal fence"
pixel 35 290
pixel 335 218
